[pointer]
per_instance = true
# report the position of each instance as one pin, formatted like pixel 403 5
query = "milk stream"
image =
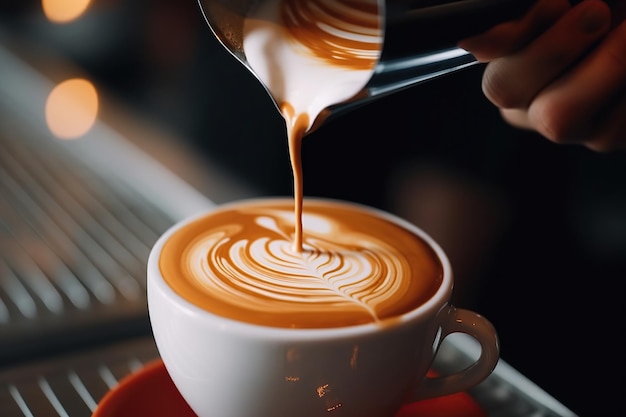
pixel 311 54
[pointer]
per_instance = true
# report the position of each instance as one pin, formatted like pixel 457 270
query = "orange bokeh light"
pixel 72 108
pixel 63 11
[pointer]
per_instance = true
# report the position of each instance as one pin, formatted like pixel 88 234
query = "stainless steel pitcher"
pixel 419 41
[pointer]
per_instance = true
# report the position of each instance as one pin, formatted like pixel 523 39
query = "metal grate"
pixel 64 225
pixel 77 221
pixel 71 387
pixel 506 392
pixel 70 244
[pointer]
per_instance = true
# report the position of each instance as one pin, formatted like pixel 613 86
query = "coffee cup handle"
pixel 464 321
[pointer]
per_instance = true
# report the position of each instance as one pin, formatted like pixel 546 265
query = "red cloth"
pixel 152 384
pixel 456 405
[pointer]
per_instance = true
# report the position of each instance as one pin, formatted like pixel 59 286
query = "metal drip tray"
pixel 73 250
pixel 77 222
pixel 72 386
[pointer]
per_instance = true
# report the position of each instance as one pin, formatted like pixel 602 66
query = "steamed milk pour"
pixel 311 54
pixel 321 58
pixel 420 39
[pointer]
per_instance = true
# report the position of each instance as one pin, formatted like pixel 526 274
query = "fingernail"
pixel 593 19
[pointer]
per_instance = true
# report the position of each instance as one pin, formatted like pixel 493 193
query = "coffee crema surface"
pixel 354 268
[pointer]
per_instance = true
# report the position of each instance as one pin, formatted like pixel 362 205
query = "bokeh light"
pixel 64 11
pixel 72 108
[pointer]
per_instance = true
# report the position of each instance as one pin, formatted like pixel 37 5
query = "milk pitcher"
pixel 419 39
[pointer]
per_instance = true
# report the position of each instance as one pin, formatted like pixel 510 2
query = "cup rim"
pixel 440 299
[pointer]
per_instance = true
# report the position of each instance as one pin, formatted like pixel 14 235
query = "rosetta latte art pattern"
pixel 354 268
pixel 264 271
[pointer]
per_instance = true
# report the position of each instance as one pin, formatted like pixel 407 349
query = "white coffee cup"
pixel 227 368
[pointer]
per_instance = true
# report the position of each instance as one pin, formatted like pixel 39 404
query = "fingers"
pixel 509 37
pixel 517 118
pixel 560 71
pixel 514 81
pixel 587 103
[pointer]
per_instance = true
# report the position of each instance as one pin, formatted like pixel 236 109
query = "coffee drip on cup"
pixel 418 41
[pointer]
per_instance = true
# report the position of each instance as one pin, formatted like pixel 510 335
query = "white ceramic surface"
pixel 225 368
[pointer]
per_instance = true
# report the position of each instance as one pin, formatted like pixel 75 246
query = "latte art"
pixel 240 263
pixel 265 270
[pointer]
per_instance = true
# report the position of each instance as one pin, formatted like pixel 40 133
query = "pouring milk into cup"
pixel 350 52
pixel 320 58
pixel 312 307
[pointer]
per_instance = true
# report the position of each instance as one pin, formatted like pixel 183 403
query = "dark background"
pixel 536 232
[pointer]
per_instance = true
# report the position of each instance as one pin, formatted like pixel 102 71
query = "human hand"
pixel 561 71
